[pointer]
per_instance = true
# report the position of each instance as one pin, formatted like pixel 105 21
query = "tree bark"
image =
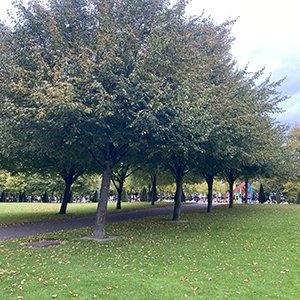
pixel 67 196
pixel 209 179
pixel 177 200
pixel 99 230
pixel 231 182
pixel 20 197
pixel 153 190
pixel 119 199
pixel 69 176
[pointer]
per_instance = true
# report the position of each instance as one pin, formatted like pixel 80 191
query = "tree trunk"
pixel 246 190
pixel 69 176
pixel 99 231
pixel 2 199
pixel 177 200
pixel 231 182
pixel 20 197
pixel 67 196
pixel 119 199
pixel 209 180
pixel 149 193
pixel 154 190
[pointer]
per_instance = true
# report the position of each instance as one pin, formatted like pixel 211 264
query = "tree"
pixel 45 197
pixel 292 186
pixel 262 196
pixel 119 176
pixel 100 76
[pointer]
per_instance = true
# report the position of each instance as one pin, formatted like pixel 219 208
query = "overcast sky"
pixel 267 35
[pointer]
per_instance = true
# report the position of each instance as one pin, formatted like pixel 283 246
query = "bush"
pixel 262 196
pixel 45 198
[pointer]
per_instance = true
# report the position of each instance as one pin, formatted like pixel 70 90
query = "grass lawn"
pixel 249 252
pixel 21 213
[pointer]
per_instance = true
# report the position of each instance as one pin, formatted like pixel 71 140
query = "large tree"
pixel 94 66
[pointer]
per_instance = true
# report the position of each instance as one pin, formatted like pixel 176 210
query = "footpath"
pixel 18 231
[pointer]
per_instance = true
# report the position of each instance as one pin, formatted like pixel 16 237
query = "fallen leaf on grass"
pixel 73 294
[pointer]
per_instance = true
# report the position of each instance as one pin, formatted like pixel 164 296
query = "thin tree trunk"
pixel 209 180
pixel 246 190
pixel 69 176
pixel 154 190
pixel 2 199
pixel 20 197
pixel 119 199
pixel 149 193
pixel 231 182
pixel 99 230
pixel 177 200
pixel 67 196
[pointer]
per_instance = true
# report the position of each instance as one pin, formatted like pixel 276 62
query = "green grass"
pixel 249 252
pixel 21 213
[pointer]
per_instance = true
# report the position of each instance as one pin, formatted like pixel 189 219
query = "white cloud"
pixel 267 35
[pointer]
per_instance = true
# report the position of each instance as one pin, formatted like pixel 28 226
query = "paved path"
pixel 18 231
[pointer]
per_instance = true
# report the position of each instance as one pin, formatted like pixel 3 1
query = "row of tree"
pixel 107 86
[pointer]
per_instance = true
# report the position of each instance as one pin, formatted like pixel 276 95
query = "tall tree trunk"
pixel 24 197
pixel 99 230
pixel 246 189
pixel 69 176
pixel 2 199
pixel 119 199
pixel 67 196
pixel 149 193
pixel 177 200
pixel 20 197
pixel 153 190
pixel 209 179
pixel 231 182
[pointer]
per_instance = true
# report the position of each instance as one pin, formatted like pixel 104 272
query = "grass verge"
pixel 249 252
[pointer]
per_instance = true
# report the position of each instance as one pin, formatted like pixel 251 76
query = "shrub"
pixel 45 197
pixel 262 196
pixel 298 198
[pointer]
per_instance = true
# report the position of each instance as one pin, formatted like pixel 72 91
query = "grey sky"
pixel 267 35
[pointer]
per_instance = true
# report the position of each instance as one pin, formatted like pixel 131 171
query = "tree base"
pixel 177 221
pixel 105 239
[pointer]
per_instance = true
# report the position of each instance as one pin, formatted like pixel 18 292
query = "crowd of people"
pixel 135 197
